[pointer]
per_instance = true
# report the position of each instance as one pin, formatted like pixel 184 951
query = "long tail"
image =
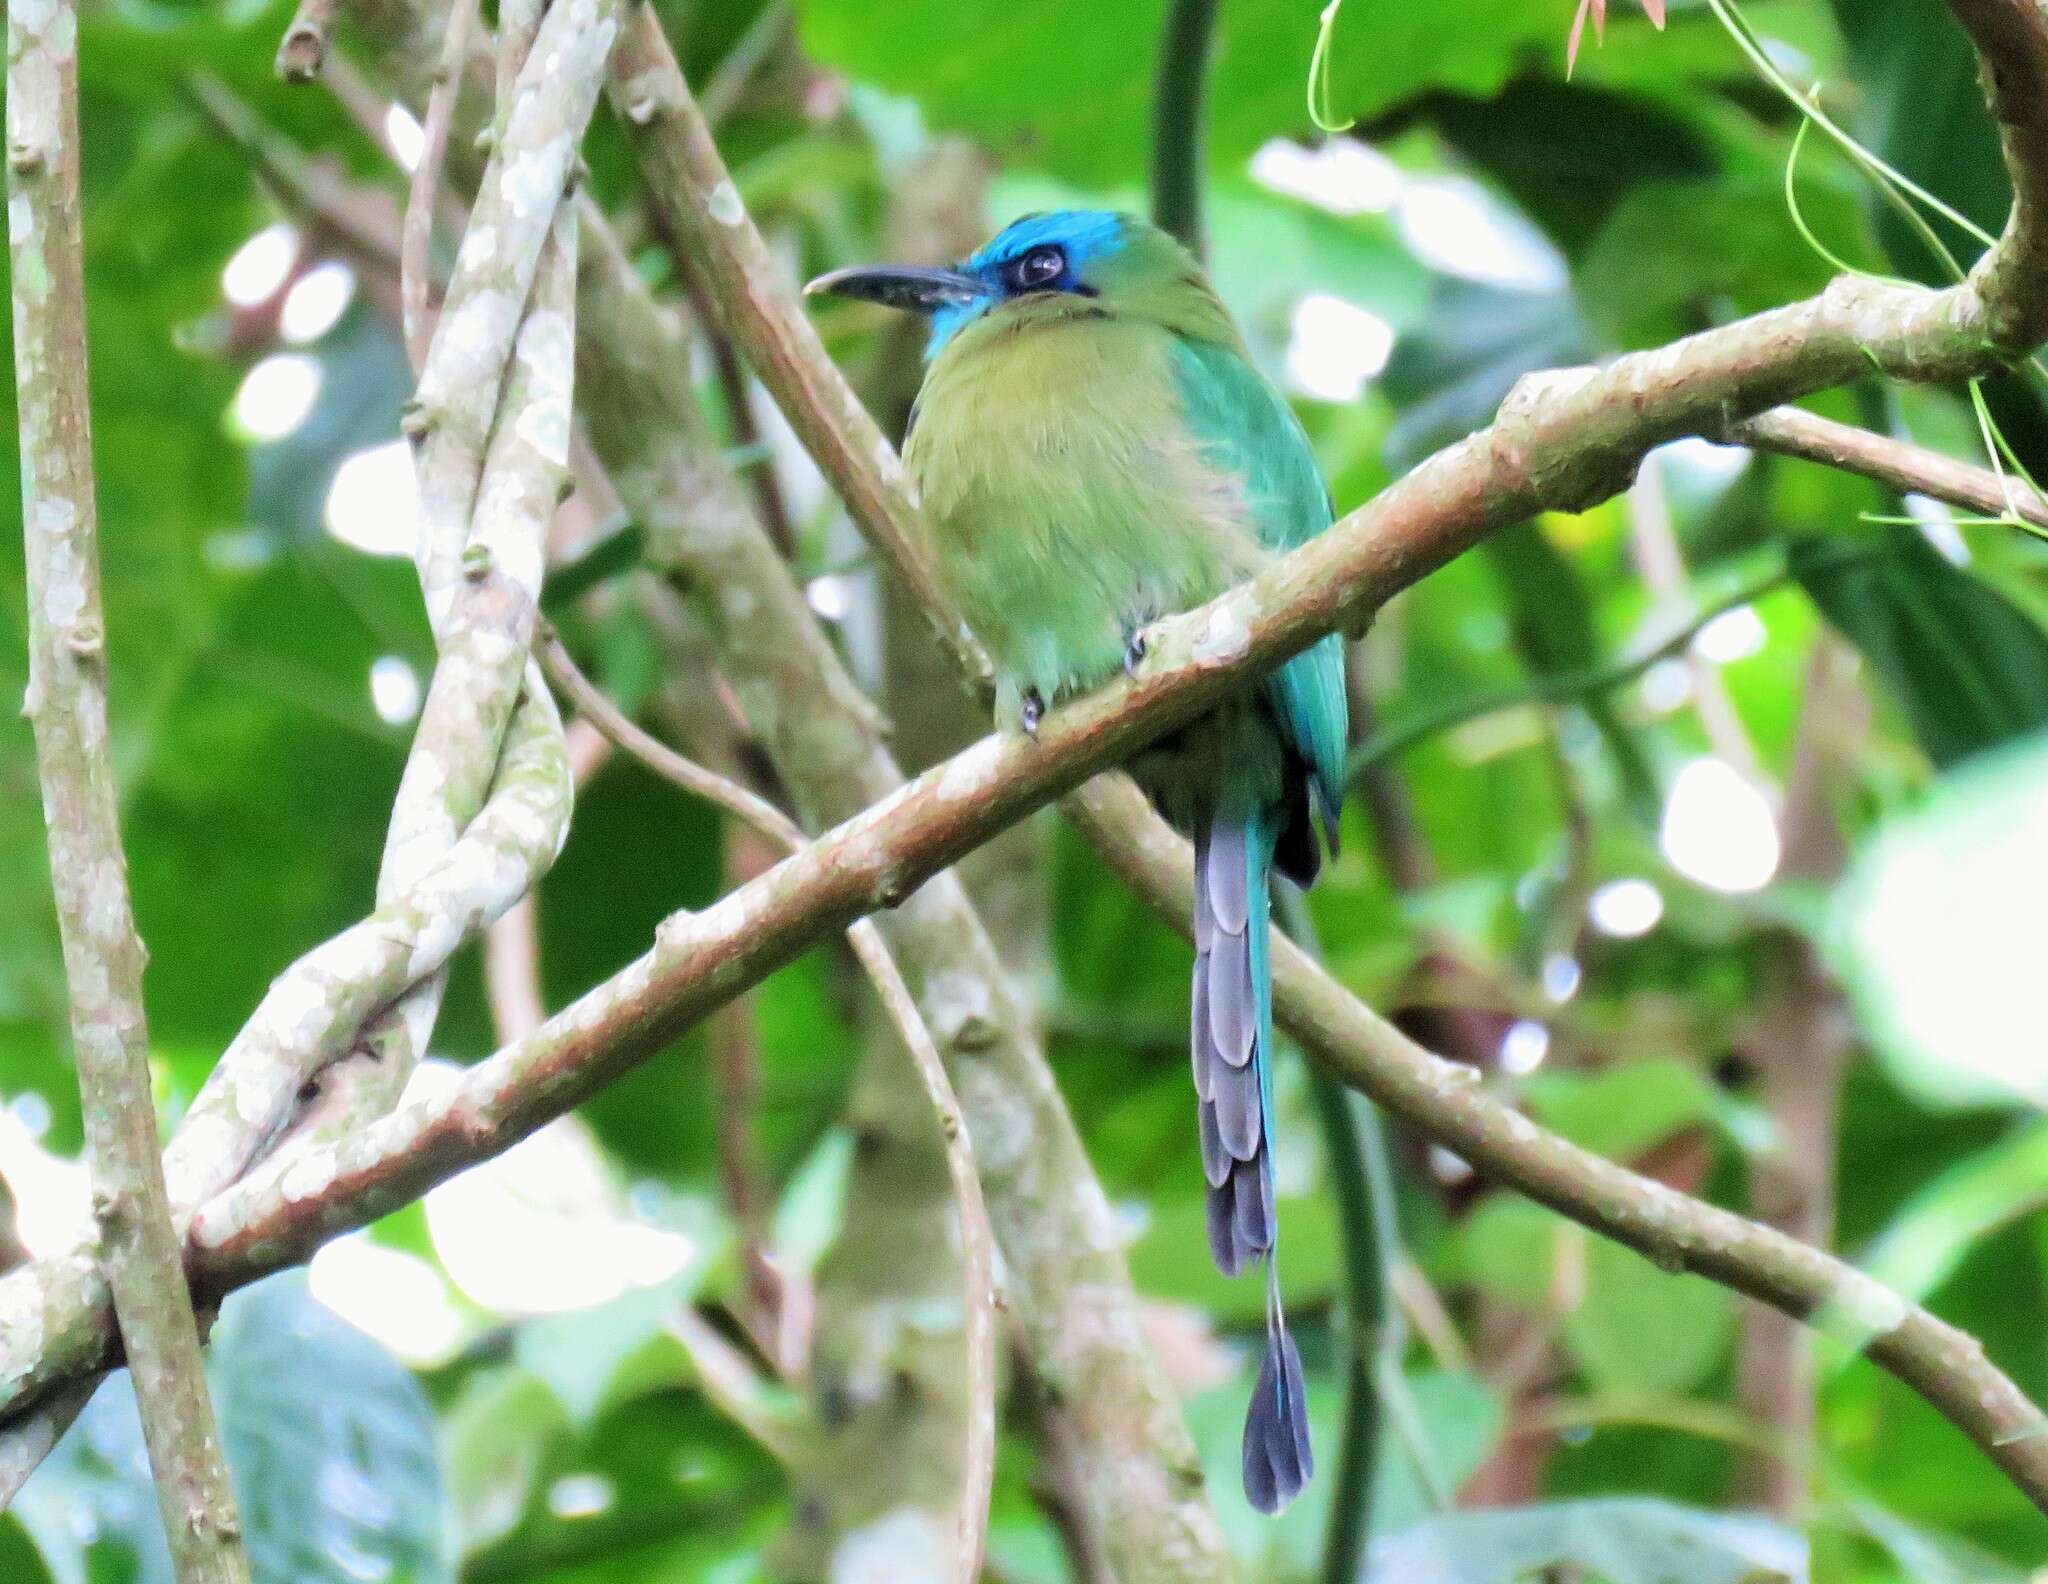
pixel 1232 1038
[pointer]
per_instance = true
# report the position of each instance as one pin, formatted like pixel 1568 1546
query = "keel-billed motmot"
pixel 1095 450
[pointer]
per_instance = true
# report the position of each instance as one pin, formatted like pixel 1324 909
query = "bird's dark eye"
pixel 1038 268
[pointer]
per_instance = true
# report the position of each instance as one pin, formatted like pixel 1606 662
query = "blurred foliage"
pixel 1493 220
pixel 330 1442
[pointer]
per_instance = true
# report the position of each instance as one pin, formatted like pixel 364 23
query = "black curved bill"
pixel 906 286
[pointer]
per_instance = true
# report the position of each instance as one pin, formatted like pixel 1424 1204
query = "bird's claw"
pixel 1135 649
pixel 1031 712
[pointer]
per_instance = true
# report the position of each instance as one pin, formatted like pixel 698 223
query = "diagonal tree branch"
pixel 1676 1231
pixel 722 251
pixel 139 1249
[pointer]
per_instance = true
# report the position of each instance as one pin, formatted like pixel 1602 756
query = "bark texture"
pixel 139 1253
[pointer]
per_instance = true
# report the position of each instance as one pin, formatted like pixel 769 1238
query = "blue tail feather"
pixel 1231 1033
pixel 1278 1460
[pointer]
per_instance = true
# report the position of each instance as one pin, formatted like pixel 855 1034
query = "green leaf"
pixel 23 1562
pixel 592 1358
pixel 1072 85
pixel 1623 1110
pixel 611 556
pixel 1938 930
pixel 1633 1329
pixel 495 1441
pixel 659 1491
pixel 1964 663
pixel 1532 137
pixel 1508 1248
pixel 1640 1330
pixel 808 1215
pixel 1972 1199
pixel 1161 1268
pixel 1622 1540
pixel 1450 374
pixel 1921 110
pixel 331 1443
pixel 1675 257
pixel 1929 1557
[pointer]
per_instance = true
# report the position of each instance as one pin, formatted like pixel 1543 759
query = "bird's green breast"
pixel 1067 499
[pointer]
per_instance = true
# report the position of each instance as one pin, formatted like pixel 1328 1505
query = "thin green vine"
pixel 1319 110
pixel 1901 193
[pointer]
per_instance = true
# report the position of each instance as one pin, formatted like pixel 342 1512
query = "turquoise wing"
pixel 1245 427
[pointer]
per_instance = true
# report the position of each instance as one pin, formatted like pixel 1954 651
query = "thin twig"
pixel 1653 533
pixel 977 1250
pixel 417 231
pixel 1180 92
pixel 739 1390
pixel 304 48
pixel 66 704
pixel 1353 1142
pixel 301 187
pixel 743 62
pixel 977 1243
pixel 512 972
pixel 748 807
pixel 1899 464
pixel 1799 1044
pixel 1391 741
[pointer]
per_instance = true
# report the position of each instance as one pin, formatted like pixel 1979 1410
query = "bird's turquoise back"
pixel 1247 430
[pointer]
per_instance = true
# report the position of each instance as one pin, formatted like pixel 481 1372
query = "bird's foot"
pixel 1135 649
pixel 1031 712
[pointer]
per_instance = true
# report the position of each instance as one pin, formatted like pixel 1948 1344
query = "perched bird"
pixel 1094 450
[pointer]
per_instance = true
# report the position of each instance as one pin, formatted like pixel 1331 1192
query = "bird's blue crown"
pixel 1078 236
